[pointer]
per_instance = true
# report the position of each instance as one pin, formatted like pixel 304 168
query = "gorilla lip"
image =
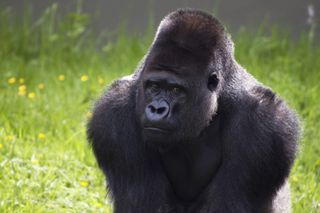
pixel 156 129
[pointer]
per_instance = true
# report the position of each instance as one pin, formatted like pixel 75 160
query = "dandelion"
pixel 10 137
pixel 22 90
pixel 21 80
pixel 295 178
pixel 12 80
pixel 89 115
pixel 41 86
pixel 41 136
pixel 35 161
pixel 84 183
pixel 31 95
pixel 98 205
pixel 84 78
pixel 1 146
pixel 22 87
pixel 61 77
pixel 100 81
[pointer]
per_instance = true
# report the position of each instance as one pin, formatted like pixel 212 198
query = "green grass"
pixel 46 164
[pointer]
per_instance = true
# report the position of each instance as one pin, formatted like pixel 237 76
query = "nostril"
pixel 161 110
pixel 152 108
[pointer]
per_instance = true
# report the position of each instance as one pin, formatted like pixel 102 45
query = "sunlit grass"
pixel 52 70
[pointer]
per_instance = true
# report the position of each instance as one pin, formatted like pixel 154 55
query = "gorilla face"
pixel 178 94
pixel 180 82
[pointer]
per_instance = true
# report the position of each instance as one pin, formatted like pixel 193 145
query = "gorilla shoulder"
pixel 120 89
pixel 116 96
pixel 274 116
pixel 265 99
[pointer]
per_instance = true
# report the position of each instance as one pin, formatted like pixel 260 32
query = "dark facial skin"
pixel 165 95
pixel 189 157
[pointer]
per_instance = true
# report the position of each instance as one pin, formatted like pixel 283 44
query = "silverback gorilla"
pixel 191 131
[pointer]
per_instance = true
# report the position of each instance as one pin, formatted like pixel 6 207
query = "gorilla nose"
pixel 157 110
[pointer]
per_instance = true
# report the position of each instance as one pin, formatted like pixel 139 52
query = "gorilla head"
pixel 181 65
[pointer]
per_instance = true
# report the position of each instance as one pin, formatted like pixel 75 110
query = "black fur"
pixel 228 142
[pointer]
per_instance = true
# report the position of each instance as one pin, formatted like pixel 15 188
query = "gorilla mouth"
pixel 156 129
pixel 156 134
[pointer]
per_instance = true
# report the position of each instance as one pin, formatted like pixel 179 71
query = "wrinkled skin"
pixel 191 131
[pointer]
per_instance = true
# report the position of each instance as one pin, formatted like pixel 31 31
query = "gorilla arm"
pixel 259 147
pixel 115 138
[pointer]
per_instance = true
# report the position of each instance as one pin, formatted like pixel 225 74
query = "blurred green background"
pixel 52 68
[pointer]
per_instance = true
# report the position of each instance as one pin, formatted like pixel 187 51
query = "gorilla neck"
pixel 190 166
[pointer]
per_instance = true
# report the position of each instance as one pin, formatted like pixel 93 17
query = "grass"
pixel 51 71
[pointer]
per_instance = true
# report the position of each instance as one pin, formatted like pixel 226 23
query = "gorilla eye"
pixel 154 87
pixel 213 81
pixel 176 89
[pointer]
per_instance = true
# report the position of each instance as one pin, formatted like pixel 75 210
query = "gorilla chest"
pixel 191 167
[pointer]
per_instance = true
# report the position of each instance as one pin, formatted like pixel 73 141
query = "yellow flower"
pixel 89 115
pixel 10 137
pixel 295 178
pixel 41 136
pixel 12 80
pixel 100 81
pixel 31 95
pixel 21 80
pixel 22 90
pixel 41 86
pixel 98 205
pixel 84 183
pixel 22 87
pixel 84 78
pixel 1 146
pixel 35 161
pixel 61 77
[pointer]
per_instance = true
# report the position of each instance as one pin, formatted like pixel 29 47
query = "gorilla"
pixel 191 131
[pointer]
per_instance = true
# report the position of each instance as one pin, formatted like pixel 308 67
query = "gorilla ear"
pixel 213 81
